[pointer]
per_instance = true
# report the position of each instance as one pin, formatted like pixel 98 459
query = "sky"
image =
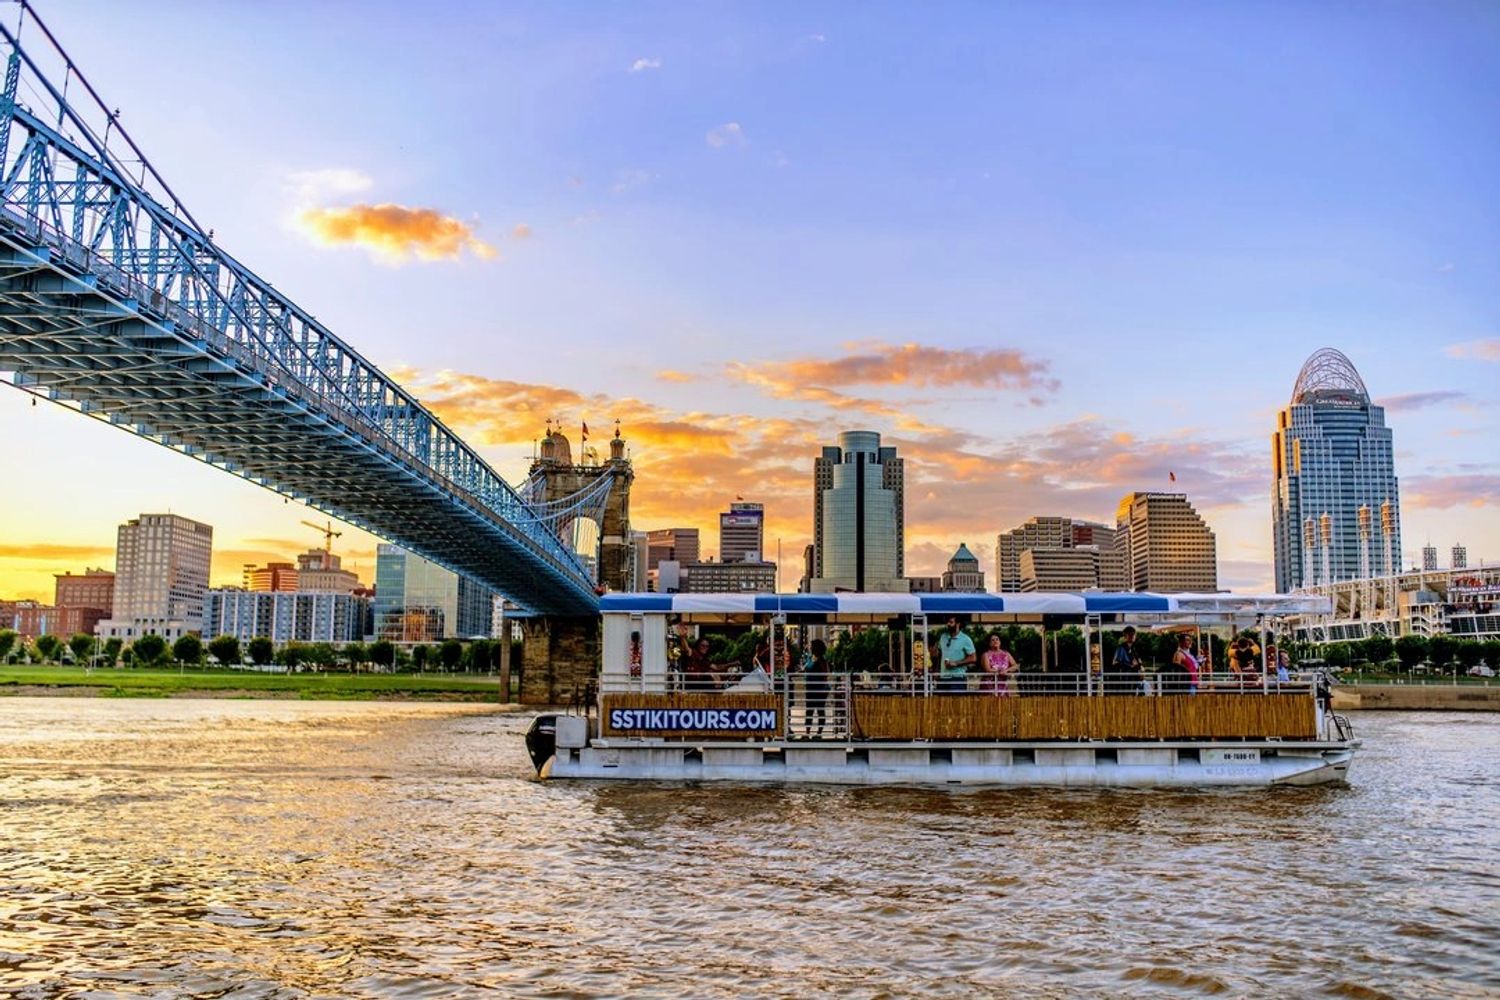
pixel 1053 253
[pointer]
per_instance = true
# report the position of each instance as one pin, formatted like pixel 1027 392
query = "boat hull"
pixel 1067 766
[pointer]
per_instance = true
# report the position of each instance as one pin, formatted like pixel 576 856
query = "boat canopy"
pixel 938 605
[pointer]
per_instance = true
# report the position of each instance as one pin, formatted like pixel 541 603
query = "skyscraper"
pixel 1052 538
pixel 420 601
pixel 742 533
pixel 1335 507
pixel 675 544
pixel 1167 547
pixel 161 575
pixel 859 519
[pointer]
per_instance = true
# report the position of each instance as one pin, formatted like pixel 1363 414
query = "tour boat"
pixel 906 723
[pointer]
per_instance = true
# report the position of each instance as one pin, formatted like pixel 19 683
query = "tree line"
pixel 476 655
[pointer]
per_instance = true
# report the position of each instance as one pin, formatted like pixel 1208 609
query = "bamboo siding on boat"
pixel 1067 717
pixel 692 701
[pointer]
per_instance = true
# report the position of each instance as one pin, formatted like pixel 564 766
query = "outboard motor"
pixel 541 740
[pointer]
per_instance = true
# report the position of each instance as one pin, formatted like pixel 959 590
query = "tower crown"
pixel 1329 377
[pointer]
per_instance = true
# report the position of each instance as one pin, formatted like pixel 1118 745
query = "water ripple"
pixel 289 849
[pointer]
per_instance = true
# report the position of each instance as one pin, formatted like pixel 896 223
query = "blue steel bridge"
pixel 115 302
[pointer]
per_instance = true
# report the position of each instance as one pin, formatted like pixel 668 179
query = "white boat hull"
pixel 1052 765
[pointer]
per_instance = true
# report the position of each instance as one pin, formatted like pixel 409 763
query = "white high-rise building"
pixel 161 577
pixel 1335 506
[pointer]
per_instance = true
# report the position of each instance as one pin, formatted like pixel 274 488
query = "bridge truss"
pixel 115 302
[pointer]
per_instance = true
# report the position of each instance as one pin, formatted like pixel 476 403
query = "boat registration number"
pixel 1231 757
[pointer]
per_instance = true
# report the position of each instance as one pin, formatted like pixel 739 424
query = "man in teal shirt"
pixel 956 650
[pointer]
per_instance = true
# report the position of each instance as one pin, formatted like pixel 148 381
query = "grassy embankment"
pixel 167 683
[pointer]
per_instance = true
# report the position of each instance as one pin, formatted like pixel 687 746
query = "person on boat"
pixel 999 668
pixel 1123 673
pixel 815 668
pixel 697 669
pixel 1244 660
pixel 956 653
pixel 1277 665
pixel 1186 664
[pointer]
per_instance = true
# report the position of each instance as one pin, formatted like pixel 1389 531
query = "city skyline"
pixel 1057 309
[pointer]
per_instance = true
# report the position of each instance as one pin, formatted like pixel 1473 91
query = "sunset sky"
pixel 1052 252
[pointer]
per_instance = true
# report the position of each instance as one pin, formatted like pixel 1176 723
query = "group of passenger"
pixel 955 657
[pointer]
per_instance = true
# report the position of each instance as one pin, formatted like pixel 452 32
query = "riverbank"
pixel 1417 697
pixel 59 681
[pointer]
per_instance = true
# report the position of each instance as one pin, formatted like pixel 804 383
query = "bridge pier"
pixel 558 655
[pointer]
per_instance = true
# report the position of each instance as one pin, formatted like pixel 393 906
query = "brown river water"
pixel 301 849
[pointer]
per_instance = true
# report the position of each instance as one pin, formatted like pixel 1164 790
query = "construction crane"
pixel 328 534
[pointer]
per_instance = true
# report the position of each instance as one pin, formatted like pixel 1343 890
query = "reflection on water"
pixel 261 849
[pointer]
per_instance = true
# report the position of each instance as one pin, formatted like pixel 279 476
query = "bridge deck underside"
pixel 64 333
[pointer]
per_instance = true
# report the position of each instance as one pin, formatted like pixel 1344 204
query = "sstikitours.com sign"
pixel 692 714
pixel 709 720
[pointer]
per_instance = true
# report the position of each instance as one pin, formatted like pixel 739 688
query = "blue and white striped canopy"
pixel 938 605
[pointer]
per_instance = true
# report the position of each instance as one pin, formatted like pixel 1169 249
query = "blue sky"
pixel 1156 210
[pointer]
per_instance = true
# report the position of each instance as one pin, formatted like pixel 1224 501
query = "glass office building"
pixel 859 520
pixel 1335 506
pixel 420 601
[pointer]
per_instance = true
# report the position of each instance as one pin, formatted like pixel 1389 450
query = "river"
pixel 298 849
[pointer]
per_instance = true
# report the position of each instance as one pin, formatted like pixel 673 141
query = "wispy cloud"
pixel 54 552
pixel 921 365
pixel 312 187
pixel 669 375
pixel 1476 350
pixel 629 179
pixel 520 231
pixel 644 64
pixel 1409 401
pixel 727 136
pixel 394 233
pixel 1441 492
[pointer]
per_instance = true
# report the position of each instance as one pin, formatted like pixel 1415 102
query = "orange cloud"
pixel 960 486
pixel 668 375
pixel 394 232
pixel 912 364
pixel 51 552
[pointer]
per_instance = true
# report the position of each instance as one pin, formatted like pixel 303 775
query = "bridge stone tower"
pixel 560 656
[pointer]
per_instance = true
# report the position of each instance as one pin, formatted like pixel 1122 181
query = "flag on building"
pixel 1172 476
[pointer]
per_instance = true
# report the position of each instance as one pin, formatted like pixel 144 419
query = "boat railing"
pixel 797 705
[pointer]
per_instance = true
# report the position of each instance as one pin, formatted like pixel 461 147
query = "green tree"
pixel 321 655
pixel 419 656
pixel 112 647
pixel 477 656
pixel 356 654
pixel 1492 652
pixel 1469 653
pixel 1378 648
pixel 225 649
pixel 1440 650
pixel 188 649
pixel 451 652
pixel 383 653
pixel 292 655
pixel 866 650
pixel 1337 654
pixel 1070 651
pixel 8 639
pixel 81 645
pixel 261 650
pixel 1412 649
pixel 148 649
pixel 47 646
